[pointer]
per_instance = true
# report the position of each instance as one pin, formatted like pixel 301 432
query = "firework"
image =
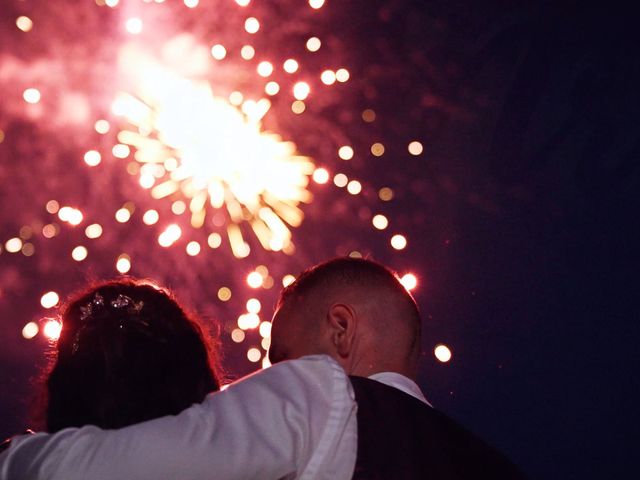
pixel 196 145
pixel 200 105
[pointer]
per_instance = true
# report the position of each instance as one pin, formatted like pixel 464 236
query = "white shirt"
pixel 296 419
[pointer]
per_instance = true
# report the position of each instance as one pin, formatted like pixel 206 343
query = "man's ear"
pixel 342 322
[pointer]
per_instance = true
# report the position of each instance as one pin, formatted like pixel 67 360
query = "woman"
pixel 127 352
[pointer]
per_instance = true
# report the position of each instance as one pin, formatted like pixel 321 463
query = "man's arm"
pixel 293 420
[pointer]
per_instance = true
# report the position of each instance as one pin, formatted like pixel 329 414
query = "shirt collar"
pixel 400 382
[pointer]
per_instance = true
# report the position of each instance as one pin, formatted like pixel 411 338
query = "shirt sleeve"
pixel 293 420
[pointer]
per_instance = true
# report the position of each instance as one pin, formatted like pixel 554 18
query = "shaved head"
pixel 336 294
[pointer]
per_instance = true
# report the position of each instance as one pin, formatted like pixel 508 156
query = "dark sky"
pixel 541 285
pixel 524 216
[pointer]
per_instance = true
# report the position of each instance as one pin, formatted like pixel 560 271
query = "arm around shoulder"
pixel 293 420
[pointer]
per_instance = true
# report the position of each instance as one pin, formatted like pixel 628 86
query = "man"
pixel 358 312
pixel 296 419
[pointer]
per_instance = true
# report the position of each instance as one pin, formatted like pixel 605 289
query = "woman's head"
pixel 127 352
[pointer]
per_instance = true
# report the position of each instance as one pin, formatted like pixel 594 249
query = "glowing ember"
pixel 254 355
pixel 255 280
pixel 24 23
pixel 92 158
pixel 398 242
pixel 345 152
pixel 79 253
pixel 409 281
pixel 415 148
pixel 253 305
pixel 237 335
pixel 31 95
pixel 265 329
pixel 321 175
pixel 52 329
pixel 224 294
pixel 49 300
pixel 30 330
pixel 123 264
pixel 313 44
pixel 442 353
pixel 380 222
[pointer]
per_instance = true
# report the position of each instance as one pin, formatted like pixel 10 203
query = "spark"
pixel 237 335
pixel 79 253
pixel 380 221
pixel 255 280
pixel 218 52
pixel 321 175
pixel 272 88
pixel 134 25
pixel 31 95
pixel 342 75
pixel 354 187
pixel 301 90
pixel 409 281
pixel 345 152
pixel 193 248
pixel 253 305
pixel 123 264
pixel 52 329
pixel 252 25
pixel 49 299
pixel 398 242
pixel 254 355
pixel 224 294
pixel 313 44
pixel 52 206
pixel 340 180
pixel 290 65
pixel 13 245
pixel 24 23
pixel 265 68
pixel 92 158
pixel 102 126
pixel 377 149
pixel 30 330
pixel 369 116
pixel 328 77
pixel 247 52
pixel 265 329
pixel 298 107
pixel 385 194
pixel 442 353
pixel 150 217
pixel 415 148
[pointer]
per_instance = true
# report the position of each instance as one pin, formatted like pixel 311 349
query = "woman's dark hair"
pixel 127 352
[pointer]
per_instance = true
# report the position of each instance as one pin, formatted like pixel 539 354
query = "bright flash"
pixel 223 157
pixel 52 329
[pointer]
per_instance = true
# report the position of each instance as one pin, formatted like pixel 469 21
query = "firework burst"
pixel 198 146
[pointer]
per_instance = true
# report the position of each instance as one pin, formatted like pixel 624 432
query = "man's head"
pixel 354 310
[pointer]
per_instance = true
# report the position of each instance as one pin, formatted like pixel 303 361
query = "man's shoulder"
pixel 300 369
pixel 392 423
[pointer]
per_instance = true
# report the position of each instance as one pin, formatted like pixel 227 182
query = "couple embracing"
pixel 133 392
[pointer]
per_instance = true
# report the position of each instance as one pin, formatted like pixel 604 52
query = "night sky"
pixel 521 213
